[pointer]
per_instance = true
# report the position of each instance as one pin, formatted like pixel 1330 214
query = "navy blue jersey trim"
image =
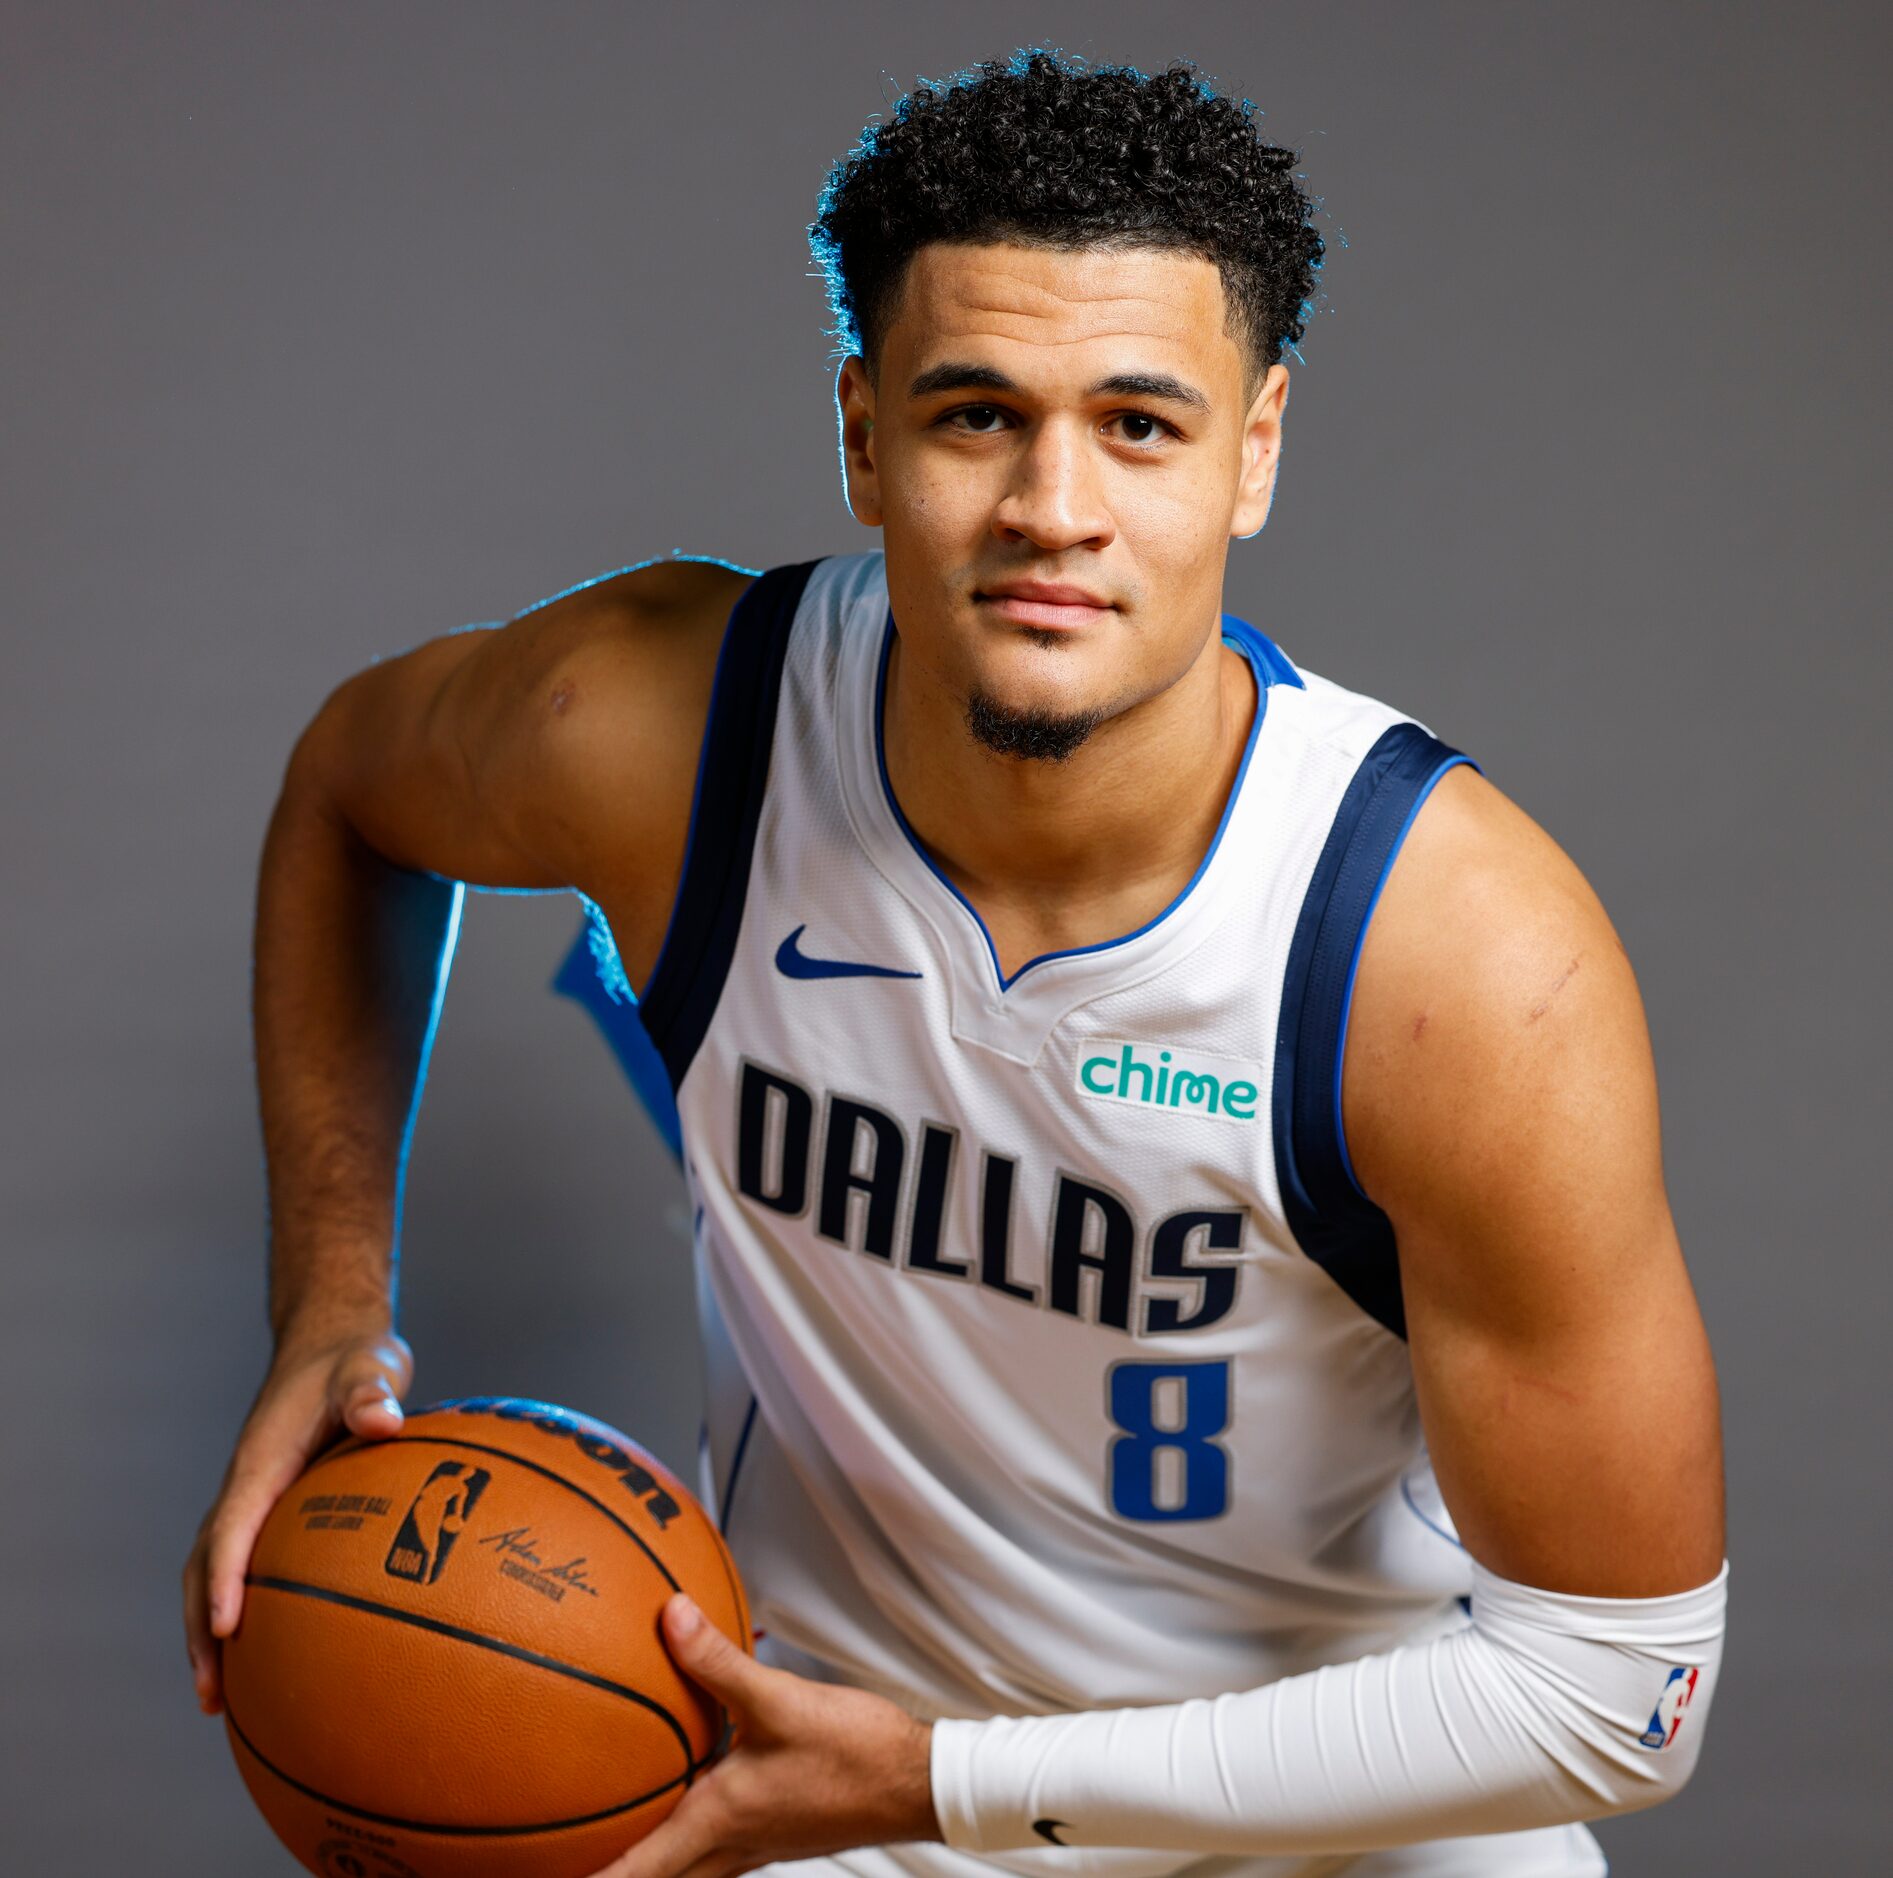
pixel 732 774
pixel 1333 1221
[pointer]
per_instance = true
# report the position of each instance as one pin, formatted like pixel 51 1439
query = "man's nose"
pixel 1055 497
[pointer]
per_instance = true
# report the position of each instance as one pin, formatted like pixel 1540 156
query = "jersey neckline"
pixel 1267 665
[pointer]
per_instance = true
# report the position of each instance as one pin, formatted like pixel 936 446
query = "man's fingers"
pixel 206 1668
pixel 711 1865
pixel 255 1485
pixel 231 1541
pixel 369 1387
pixel 371 1412
pixel 708 1657
pixel 355 1384
pixel 362 1392
pixel 686 1839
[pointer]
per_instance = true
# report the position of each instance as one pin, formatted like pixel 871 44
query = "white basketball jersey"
pixel 1056 1358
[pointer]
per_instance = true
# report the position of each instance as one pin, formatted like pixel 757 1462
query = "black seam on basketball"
pixel 445 1831
pixel 480 1641
pixel 506 1454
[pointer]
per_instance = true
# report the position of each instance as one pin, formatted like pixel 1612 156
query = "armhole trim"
pixel 732 776
pixel 1333 1221
pixel 1451 760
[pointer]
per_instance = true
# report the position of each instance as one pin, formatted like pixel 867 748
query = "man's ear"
pixel 1261 454
pixel 854 410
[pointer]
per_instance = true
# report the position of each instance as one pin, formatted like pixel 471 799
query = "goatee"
pixel 1033 736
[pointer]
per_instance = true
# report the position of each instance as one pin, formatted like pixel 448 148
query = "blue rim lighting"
pixel 1266 664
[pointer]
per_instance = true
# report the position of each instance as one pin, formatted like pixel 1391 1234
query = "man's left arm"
pixel 1500 1106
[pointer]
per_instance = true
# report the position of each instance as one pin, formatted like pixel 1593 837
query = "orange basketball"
pixel 449 1664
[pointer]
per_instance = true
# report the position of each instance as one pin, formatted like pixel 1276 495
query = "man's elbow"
pixel 1621 1770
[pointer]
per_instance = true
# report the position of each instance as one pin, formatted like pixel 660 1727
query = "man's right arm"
pixel 559 751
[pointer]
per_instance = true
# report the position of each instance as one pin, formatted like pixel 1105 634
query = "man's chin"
pixel 1026 733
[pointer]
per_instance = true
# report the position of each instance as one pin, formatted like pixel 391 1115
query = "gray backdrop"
pixel 329 328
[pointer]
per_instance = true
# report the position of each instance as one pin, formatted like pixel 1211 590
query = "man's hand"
pixel 316 1389
pixel 814 1769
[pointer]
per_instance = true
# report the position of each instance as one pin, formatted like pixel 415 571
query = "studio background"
pixel 328 329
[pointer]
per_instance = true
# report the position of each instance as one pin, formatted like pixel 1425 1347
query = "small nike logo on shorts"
pixel 1050 1828
pixel 793 962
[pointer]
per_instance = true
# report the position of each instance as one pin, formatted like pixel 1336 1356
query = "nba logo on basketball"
pixel 432 1524
pixel 1667 1716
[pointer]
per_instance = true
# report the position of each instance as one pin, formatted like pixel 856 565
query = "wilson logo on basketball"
pixel 436 1519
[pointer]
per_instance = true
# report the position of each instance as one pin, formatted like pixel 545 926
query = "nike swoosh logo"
pixel 1050 1829
pixel 793 962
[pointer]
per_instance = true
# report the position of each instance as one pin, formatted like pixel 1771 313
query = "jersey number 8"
pixel 1167 1464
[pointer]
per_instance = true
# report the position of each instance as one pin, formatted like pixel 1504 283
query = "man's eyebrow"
pixel 1150 385
pixel 955 375
pixel 960 375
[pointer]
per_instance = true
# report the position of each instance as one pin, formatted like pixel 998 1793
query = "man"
pixel 1049 970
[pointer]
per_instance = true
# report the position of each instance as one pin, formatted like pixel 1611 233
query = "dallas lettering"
pixel 1100 1267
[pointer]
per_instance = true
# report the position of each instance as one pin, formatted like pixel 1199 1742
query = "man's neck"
pixel 1057 855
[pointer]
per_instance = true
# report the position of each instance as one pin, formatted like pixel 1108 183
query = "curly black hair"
pixel 1046 150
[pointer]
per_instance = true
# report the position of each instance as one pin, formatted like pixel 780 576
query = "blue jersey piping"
pixel 1335 1223
pixel 719 684
pixel 1268 665
pixel 681 996
pixel 1360 940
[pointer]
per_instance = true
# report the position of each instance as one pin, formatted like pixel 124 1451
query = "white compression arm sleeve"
pixel 1547 1708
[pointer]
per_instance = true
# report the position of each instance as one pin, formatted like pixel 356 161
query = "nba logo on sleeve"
pixel 1667 1716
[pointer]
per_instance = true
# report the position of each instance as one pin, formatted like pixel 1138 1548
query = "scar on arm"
pixel 1419 1024
pixel 1544 1004
pixel 1523 1382
pixel 562 696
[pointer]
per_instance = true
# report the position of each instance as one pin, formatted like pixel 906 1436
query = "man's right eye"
pixel 977 412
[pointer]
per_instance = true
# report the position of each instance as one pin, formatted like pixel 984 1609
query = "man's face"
pixel 1078 421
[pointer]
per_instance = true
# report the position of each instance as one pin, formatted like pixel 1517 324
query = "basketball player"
pixel 1201 1363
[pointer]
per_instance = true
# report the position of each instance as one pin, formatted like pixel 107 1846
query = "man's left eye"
pixel 1150 427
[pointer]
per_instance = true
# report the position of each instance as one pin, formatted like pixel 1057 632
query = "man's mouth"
pixel 1043 603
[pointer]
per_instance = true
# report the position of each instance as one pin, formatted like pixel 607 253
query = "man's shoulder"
pixel 673 605
pixel 1477 883
pixel 589 710
pixel 667 617
pixel 1489 965
pixel 617 670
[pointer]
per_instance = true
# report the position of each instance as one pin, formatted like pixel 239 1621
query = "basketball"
pixel 449 1663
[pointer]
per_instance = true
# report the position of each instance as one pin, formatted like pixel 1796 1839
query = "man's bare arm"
pixel 558 751
pixel 1500 1106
